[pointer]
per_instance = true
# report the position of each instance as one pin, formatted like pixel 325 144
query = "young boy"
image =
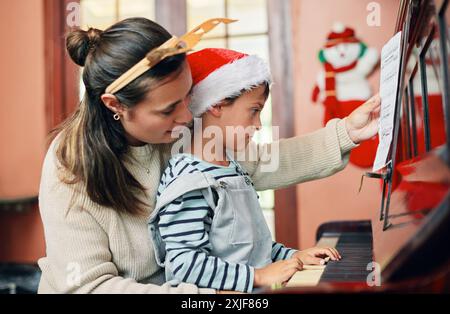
pixel 208 227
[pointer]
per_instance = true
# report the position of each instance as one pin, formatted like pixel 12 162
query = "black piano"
pixel 405 247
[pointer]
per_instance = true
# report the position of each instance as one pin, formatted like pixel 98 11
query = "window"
pixel 249 35
pixel 103 13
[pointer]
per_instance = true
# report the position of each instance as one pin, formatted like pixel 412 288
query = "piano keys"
pixel 356 251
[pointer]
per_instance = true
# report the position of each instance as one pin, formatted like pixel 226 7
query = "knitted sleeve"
pixel 299 159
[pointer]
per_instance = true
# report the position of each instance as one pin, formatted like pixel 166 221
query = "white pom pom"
pixel 338 27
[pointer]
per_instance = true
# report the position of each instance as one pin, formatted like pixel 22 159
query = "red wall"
pixel 22 124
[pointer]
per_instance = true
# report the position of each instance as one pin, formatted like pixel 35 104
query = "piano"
pixel 405 246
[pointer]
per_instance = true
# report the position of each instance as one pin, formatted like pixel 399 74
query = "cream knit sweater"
pixel 93 249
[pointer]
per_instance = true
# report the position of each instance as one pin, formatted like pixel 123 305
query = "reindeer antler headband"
pixel 170 48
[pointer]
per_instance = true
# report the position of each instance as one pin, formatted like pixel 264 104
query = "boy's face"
pixel 240 120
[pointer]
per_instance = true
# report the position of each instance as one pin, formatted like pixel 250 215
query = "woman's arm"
pixel 303 158
pixel 315 155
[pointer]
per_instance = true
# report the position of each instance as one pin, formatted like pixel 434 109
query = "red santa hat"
pixel 340 34
pixel 222 73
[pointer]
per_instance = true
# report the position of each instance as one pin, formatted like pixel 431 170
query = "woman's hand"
pixel 277 273
pixel 362 123
pixel 316 255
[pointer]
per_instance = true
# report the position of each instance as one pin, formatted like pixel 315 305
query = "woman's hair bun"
pixel 80 42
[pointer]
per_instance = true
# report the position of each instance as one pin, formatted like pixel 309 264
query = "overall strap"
pixel 240 170
pixel 182 185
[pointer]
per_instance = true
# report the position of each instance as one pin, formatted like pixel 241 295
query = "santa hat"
pixel 340 34
pixel 222 73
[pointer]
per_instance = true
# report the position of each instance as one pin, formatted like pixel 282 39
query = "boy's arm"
pixel 299 159
pixel 280 252
pixel 184 226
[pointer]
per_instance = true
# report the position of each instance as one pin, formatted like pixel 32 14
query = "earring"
pixel 116 117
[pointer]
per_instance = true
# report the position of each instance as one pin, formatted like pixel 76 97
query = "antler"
pixel 170 48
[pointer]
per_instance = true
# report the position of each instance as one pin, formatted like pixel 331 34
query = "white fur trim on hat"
pixel 228 81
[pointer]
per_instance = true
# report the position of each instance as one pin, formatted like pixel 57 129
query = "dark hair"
pixel 93 144
pixel 231 100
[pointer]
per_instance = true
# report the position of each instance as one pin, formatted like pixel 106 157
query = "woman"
pixel 101 172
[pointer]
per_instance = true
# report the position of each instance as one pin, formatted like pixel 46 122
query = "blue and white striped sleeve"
pixel 280 252
pixel 184 225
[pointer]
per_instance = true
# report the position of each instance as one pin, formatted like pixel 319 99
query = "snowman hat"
pixel 340 34
pixel 222 73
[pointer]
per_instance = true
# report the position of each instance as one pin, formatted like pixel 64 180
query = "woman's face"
pixel 164 108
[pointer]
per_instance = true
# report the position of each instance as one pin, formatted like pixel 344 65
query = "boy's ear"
pixel 216 110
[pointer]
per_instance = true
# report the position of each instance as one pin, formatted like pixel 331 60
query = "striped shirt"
pixel 184 225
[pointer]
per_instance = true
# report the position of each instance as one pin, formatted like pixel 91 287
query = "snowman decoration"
pixel 342 83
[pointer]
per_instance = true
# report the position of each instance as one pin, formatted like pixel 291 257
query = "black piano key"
pixel 356 252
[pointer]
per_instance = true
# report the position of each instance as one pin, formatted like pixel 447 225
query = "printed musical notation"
pixel 389 80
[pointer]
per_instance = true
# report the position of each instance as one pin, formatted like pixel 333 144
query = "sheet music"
pixel 389 80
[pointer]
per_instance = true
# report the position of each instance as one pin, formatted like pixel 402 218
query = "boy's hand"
pixel 316 255
pixel 277 273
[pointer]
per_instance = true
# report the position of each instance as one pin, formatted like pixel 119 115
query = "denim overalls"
pixel 239 232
